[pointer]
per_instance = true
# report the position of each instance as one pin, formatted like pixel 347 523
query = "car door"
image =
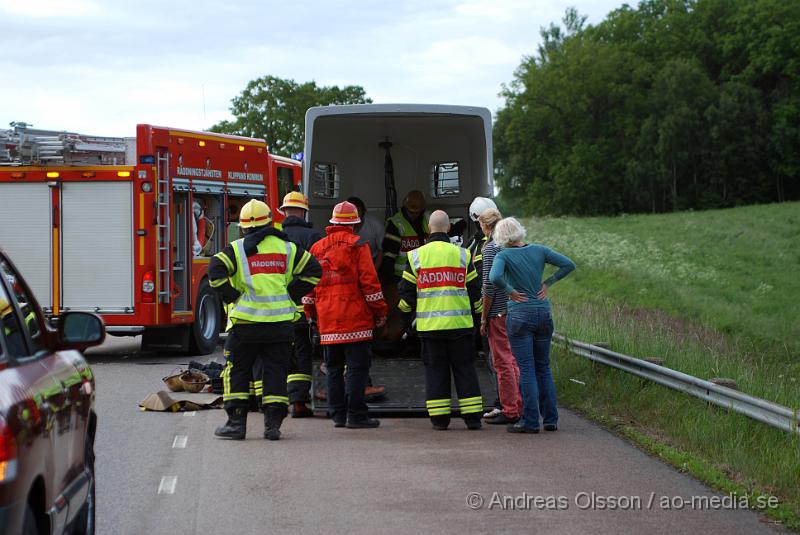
pixel 25 385
pixel 39 368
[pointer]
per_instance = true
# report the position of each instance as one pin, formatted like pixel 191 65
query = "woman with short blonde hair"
pixel 518 269
pixel 493 326
pixel 489 218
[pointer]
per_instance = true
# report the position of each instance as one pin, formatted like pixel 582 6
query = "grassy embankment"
pixel 713 294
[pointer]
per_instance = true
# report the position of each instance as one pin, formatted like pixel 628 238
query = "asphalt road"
pixel 167 473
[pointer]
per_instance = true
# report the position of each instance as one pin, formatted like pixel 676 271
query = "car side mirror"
pixel 79 330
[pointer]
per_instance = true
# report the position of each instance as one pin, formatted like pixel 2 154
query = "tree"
pixel 681 94
pixel 738 137
pixel 668 105
pixel 274 109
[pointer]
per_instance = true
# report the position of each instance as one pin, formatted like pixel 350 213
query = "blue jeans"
pixel 529 332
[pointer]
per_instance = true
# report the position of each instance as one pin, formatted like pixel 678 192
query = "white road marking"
pixel 180 441
pixel 167 485
pixel 190 413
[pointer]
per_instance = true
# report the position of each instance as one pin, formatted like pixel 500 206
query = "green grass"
pixel 713 294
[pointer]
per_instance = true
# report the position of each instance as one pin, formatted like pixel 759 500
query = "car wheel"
pixel 207 321
pixel 85 523
pixel 29 525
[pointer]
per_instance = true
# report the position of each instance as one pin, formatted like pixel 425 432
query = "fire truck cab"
pixel 125 227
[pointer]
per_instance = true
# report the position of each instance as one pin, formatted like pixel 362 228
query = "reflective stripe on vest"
pixel 409 240
pixel 262 279
pixel 442 297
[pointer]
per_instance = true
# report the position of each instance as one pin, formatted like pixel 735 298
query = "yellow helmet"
pixel 295 199
pixel 255 214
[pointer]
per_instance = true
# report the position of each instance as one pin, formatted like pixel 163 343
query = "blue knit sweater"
pixel 522 268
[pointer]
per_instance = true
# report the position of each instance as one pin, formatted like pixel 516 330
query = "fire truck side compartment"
pixel 97 246
pixel 25 234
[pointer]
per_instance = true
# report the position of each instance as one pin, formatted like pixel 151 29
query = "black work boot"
pixel 440 422
pixel 473 422
pixel 236 426
pixel 273 417
pixel 300 410
pixel 366 423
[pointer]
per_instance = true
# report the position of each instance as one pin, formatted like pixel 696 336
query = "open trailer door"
pixel 379 152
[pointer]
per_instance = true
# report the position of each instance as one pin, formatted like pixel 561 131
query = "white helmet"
pixel 480 205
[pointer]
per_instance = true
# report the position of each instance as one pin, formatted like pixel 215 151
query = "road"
pixel 400 478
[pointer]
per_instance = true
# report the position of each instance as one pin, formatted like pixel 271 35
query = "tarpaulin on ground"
pixel 163 401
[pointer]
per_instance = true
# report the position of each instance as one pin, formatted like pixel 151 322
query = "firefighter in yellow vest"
pixel 264 275
pixel 440 284
pixel 405 230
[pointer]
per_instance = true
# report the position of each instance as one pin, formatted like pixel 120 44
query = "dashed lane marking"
pixel 180 441
pixel 167 485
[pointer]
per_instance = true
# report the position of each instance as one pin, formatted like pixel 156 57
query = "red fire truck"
pixel 125 227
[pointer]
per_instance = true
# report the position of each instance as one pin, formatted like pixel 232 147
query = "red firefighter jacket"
pixel 348 298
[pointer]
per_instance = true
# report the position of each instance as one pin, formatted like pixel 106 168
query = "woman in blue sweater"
pixel 518 269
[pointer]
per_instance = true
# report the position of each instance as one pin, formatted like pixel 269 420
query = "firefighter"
pixel 348 304
pixel 475 246
pixel 265 274
pixel 405 230
pixel 302 233
pixel 441 284
pixel 478 240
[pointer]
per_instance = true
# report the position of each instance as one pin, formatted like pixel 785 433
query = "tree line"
pixel 671 105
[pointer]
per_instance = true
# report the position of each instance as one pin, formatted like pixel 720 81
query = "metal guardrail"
pixel 759 409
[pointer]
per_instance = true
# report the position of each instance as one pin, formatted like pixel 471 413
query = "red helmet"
pixel 345 213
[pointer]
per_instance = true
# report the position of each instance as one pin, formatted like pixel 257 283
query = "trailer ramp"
pixel 404 379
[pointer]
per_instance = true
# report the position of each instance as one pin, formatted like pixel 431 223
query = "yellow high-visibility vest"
pixel 408 238
pixel 441 272
pixel 262 279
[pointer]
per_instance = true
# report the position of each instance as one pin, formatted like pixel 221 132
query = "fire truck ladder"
pixel 163 226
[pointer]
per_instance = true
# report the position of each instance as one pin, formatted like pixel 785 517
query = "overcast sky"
pixel 102 67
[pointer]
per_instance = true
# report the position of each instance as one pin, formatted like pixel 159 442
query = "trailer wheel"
pixel 207 321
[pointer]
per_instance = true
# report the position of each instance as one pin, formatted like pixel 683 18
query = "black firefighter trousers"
pixel 264 346
pixel 346 389
pixel 299 379
pixel 443 355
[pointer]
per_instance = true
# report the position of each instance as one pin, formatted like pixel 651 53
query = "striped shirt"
pixel 499 297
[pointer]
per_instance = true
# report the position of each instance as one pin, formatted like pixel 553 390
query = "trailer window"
pixel 445 180
pixel 325 181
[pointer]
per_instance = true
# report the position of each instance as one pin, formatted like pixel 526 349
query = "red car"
pixel 47 421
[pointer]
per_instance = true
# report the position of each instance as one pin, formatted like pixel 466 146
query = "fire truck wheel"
pixel 207 321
